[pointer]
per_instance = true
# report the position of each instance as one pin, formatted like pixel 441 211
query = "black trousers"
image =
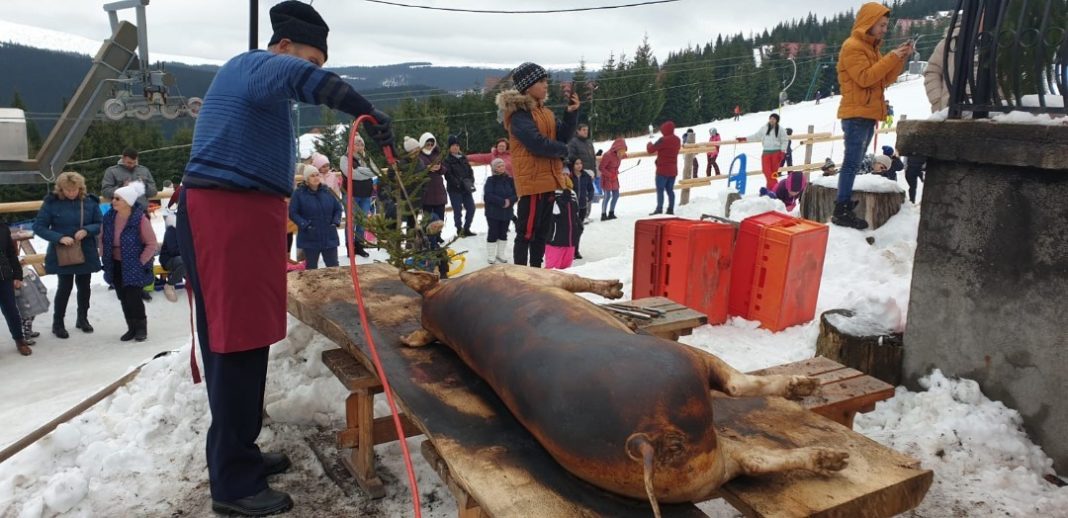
pixel 534 221
pixel 66 284
pixel 236 383
pixel 133 306
pixel 10 308
pixel 498 230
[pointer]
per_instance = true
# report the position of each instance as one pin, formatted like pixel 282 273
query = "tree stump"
pixel 817 204
pixel 877 355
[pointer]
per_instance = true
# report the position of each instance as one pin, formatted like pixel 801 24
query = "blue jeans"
pixel 608 204
pixel 365 205
pixel 665 184
pixel 858 135
pixel 466 201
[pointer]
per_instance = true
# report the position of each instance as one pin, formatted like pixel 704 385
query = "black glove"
pixel 382 133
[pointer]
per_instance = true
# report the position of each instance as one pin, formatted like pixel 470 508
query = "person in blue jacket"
pixel 70 216
pixel 500 198
pixel 317 214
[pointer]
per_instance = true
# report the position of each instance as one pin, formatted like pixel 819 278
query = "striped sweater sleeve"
pixel 284 77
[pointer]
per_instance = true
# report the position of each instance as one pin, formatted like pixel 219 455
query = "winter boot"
pixel 140 329
pixel 357 246
pixel 491 249
pixel 612 215
pixel 467 232
pixel 168 291
pixel 130 331
pixel 83 321
pixel 502 251
pixel 23 347
pixel 58 328
pixel 604 217
pixel 671 210
pixel 844 216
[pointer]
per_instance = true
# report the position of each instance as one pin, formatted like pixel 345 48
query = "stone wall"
pixel 989 296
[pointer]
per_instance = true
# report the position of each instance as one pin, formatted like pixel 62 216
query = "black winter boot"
pixel 612 215
pixel 58 328
pixel 467 232
pixel 130 331
pixel 83 321
pixel 604 217
pixel 140 329
pixel 844 216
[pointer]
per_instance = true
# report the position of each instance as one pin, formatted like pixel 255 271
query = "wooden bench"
pixel 495 467
pixel 844 391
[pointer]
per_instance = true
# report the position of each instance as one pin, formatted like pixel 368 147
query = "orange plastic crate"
pixel 645 281
pixel 778 267
pixel 696 264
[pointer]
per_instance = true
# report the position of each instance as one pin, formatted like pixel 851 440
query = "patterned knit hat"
pixel 524 76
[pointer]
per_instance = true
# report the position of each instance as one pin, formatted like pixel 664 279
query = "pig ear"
pixel 640 447
pixel 419 281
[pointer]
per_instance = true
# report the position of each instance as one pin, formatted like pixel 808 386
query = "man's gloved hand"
pixel 382 133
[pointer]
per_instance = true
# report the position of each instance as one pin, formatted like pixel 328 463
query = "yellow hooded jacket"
pixel 862 72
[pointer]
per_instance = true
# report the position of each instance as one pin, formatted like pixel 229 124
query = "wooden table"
pixel 676 320
pixel 496 468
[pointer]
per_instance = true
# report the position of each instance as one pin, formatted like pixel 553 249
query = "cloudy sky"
pixel 365 33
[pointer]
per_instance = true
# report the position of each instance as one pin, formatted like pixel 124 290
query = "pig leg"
pixel 418 338
pixel 609 289
pixel 757 460
pixel 734 383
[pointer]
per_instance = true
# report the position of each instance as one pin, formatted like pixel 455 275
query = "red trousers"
pixel 769 164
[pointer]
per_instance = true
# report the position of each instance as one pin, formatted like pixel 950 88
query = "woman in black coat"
pixel 11 280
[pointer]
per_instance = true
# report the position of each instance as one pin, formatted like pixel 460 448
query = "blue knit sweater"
pixel 243 138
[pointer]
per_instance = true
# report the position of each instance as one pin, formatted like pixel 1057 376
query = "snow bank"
pixel 862 183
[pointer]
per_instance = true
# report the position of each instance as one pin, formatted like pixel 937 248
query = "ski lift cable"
pixel 545 11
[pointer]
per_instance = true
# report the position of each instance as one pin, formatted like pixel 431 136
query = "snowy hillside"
pixel 140 452
pixel 31 36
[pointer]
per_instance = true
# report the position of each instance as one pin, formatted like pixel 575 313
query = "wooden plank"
pixel 855 393
pixel 349 372
pixel 489 454
pixel 878 481
pixel 809 367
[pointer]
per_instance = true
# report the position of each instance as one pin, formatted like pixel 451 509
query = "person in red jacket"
pixel 609 169
pixel 667 166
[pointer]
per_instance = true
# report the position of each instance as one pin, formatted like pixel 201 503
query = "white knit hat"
pixel 131 192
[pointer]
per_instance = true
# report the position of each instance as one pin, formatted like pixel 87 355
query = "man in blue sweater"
pixel 231 233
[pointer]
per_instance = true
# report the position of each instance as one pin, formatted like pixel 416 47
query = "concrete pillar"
pixel 989 296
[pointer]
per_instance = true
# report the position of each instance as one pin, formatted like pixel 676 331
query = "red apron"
pixel 239 240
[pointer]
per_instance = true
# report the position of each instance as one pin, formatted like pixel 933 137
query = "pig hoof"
pixel 611 290
pixel 826 461
pixel 801 386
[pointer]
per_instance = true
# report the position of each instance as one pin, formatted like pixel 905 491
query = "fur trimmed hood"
pixel 511 101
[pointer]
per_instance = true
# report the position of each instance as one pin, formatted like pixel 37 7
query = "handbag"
pixel 72 255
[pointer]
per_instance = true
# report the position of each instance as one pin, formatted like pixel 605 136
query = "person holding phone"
pixel 539 145
pixel 864 74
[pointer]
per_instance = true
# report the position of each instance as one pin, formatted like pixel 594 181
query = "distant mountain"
pixel 46 67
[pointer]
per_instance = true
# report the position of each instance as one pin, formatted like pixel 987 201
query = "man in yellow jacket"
pixel 863 75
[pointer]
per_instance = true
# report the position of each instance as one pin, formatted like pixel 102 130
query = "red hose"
pixel 349 239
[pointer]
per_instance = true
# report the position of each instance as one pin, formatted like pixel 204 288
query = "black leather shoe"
pixel 275 463
pixel 264 503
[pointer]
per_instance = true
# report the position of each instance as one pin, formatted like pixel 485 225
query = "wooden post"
pixel 808 153
pixel 687 173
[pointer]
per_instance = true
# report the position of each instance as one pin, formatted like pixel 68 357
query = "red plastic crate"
pixel 745 259
pixel 778 265
pixel 645 281
pixel 695 262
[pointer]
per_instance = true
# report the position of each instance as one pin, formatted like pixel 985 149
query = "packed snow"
pixel 140 452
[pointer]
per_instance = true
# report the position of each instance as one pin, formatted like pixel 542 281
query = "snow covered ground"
pixel 140 452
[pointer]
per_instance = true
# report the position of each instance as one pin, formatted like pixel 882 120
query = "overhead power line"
pixel 545 11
